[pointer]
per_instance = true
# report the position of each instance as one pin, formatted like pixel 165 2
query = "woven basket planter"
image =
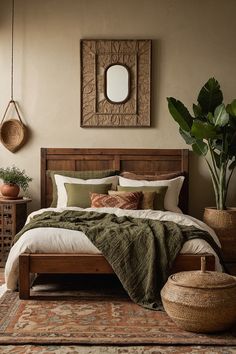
pixel 223 222
pixel 13 134
pixel 200 301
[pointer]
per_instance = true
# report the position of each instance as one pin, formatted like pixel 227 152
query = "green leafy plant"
pixel 211 131
pixel 13 175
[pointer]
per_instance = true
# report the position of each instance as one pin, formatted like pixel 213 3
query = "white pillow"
pixel 61 190
pixel 171 200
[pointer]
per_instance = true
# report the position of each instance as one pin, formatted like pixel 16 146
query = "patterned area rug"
pixel 93 320
pixel 59 349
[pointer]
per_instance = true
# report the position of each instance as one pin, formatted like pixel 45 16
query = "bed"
pixel 139 161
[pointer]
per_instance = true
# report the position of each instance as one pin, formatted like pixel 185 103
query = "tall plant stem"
pixel 213 161
pixel 215 183
pixel 227 184
pixel 222 175
pixel 222 186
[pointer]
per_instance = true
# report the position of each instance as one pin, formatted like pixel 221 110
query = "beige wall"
pixel 192 41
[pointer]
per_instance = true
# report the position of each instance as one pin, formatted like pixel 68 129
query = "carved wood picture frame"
pixel 96 109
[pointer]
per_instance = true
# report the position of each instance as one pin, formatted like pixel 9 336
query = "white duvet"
pixel 55 240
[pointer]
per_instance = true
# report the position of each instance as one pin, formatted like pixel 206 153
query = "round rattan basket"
pixel 201 301
pixel 13 134
pixel 224 224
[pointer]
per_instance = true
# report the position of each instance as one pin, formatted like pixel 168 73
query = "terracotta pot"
pixel 223 222
pixel 10 191
pixel 200 301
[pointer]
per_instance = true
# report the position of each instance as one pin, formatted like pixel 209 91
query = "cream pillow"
pixel 174 185
pixel 61 190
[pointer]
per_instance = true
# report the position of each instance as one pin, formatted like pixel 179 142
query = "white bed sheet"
pixel 55 240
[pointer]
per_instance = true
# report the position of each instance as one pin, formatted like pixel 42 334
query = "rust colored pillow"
pixel 128 200
pixel 146 201
pixel 134 176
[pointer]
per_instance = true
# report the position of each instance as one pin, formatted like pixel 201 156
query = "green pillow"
pixel 158 203
pixel 79 194
pixel 76 174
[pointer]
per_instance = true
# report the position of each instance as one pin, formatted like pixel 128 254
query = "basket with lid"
pixel 201 301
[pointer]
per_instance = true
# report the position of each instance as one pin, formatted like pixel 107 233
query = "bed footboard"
pixel 88 264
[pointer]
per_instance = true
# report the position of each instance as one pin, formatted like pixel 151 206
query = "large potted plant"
pixel 211 131
pixel 13 179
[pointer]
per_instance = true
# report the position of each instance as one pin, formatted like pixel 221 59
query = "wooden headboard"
pixel 140 161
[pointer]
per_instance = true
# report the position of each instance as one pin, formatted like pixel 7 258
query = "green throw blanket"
pixel 141 251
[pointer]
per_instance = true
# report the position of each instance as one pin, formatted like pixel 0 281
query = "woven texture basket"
pixel 224 224
pixel 200 301
pixel 13 134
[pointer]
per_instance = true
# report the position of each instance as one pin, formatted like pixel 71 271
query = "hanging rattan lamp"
pixel 13 133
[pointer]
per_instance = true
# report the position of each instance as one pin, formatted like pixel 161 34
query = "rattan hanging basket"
pixel 13 134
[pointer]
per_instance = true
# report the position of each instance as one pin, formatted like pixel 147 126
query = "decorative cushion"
pixel 79 194
pixel 146 201
pixel 76 174
pixel 158 200
pixel 172 195
pixel 61 191
pixel 171 175
pixel 125 201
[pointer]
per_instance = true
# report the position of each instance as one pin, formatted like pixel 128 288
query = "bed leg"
pixel 24 277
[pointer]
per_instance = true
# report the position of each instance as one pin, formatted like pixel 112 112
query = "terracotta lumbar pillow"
pixel 125 201
pixel 146 201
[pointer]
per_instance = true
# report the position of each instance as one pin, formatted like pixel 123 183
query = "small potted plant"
pixel 13 179
pixel 211 131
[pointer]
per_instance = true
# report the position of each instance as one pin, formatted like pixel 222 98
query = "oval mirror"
pixel 117 83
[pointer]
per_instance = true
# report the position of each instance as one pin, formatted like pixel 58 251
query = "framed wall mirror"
pixel 115 83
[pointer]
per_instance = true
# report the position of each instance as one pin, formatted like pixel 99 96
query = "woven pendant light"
pixel 13 132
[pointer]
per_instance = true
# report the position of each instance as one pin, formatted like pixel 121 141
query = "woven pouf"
pixel 201 301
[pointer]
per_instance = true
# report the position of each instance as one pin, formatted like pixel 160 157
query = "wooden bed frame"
pixel 140 161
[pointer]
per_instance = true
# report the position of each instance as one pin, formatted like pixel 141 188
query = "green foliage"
pixel 13 175
pixel 210 96
pixel 212 134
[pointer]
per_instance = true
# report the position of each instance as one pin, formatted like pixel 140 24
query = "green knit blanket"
pixel 140 251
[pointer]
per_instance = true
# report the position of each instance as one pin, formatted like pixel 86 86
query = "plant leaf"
pixel 232 123
pixel 187 137
pixel 197 110
pixel 232 165
pixel 180 113
pixel 203 130
pixel 200 148
pixel 232 145
pixel 231 108
pixel 210 96
pixel 210 118
pixel 217 144
pixel 221 117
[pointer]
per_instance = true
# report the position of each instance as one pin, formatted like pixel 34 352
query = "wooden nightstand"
pixel 13 214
